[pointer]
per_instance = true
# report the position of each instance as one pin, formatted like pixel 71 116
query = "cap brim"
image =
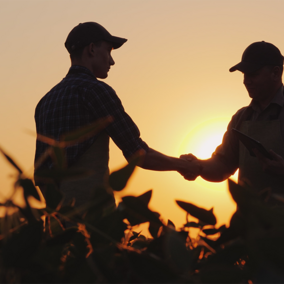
pixel 117 41
pixel 246 67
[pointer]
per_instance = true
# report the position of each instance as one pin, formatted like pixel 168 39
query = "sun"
pixel 202 141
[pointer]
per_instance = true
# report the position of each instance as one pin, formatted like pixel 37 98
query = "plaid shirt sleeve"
pixel 102 101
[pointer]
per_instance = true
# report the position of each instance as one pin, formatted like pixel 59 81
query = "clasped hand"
pixel 193 168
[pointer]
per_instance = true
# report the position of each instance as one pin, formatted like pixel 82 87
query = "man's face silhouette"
pixel 259 84
pixel 102 59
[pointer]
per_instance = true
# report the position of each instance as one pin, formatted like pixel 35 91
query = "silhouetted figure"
pixel 80 99
pixel 262 119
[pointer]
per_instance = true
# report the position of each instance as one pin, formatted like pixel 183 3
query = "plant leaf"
pixel 119 179
pixel 226 236
pixel 52 196
pixel 241 195
pixel 193 225
pixel 170 223
pixel 76 136
pixel 111 225
pixel 153 229
pixel 204 215
pixel 146 197
pixel 139 210
pixel 48 140
pixel 222 228
pixel 58 155
pixel 134 236
pixel 29 188
pixel 212 231
pixel 11 161
pixel 55 226
pixel 83 133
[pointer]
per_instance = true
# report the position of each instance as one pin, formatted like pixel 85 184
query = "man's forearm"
pixel 159 162
pixel 214 170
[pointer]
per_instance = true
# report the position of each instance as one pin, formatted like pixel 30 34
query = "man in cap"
pixel 262 119
pixel 80 99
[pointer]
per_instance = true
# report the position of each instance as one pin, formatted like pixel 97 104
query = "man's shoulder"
pixel 103 86
pixel 79 84
pixel 74 86
pixel 84 83
pixel 241 111
pixel 51 93
pixel 240 115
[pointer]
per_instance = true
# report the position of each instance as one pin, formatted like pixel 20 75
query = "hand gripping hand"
pixel 192 169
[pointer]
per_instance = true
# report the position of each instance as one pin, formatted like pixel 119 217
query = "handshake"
pixel 190 167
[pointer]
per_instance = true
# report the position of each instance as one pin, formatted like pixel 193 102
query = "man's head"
pixel 258 55
pixel 90 44
pixel 262 65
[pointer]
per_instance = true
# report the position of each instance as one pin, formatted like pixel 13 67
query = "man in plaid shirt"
pixel 80 99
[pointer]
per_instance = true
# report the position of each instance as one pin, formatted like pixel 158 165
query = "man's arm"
pixel 212 169
pixel 154 160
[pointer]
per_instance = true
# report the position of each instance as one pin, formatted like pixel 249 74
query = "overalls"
pixel 250 169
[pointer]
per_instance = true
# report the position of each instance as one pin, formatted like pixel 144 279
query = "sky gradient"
pixel 172 76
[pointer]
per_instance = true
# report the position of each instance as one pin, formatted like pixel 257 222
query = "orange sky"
pixel 172 77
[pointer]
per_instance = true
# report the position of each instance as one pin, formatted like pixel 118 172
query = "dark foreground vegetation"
pixel 102 247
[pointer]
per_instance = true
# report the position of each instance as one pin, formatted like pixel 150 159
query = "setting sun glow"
pixel 202 141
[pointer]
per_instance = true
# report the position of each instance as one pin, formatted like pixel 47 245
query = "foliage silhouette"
pixel 102 246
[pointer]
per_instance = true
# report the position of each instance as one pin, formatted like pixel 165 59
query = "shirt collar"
pixel 78 69
pixel 278 99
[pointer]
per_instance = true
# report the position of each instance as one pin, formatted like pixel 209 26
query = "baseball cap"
pixel 258 55
pixel 85 33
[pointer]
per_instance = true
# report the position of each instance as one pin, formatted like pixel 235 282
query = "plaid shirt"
pixel 78 100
